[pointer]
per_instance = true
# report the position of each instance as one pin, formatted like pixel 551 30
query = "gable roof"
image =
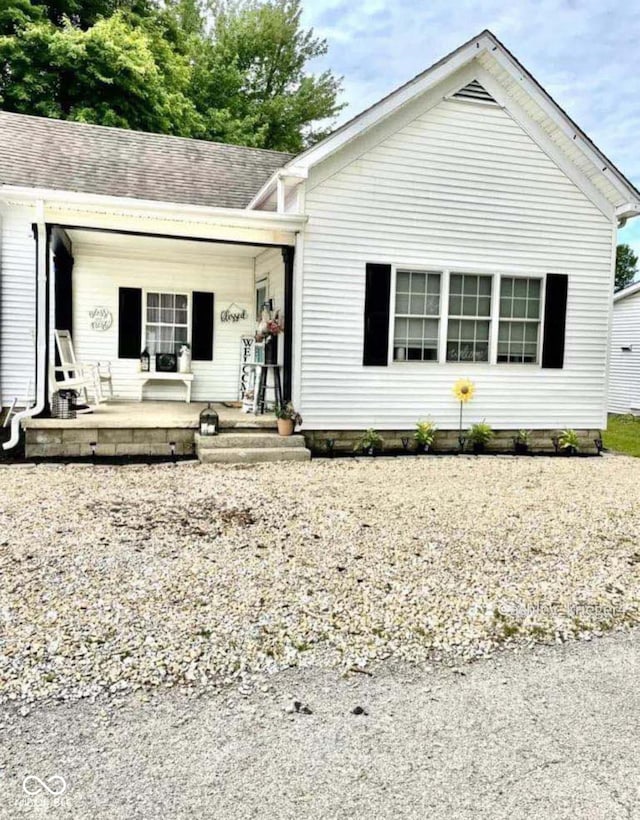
pixel 57 154
pixel 497 61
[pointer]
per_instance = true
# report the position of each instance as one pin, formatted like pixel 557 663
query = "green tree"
pixel 626 266
pixel 114 73
pixel 228 70
pixel 257 53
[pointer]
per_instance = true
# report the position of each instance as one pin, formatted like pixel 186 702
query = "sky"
pixel 586 54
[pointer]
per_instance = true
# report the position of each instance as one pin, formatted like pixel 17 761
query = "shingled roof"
pixel 69 156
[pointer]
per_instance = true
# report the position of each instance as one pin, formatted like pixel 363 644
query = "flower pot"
pixel 423 448
pixel 271 350
pixel 478 447
pixel 521 448
pixel 285 427
pixel 569 451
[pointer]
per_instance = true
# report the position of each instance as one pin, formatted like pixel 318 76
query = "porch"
pixel 122 428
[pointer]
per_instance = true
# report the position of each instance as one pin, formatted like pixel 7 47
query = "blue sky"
pixel 585 53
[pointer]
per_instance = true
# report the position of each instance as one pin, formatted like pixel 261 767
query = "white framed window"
pixel 469 318
pixel 416 316
pixel 519 322
pixel 262 297
pixel 166 321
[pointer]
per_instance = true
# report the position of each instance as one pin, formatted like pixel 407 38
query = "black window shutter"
pixel 555 318
pixel 376 314
pixel 63 266
pixel 129 323
pixel 202 326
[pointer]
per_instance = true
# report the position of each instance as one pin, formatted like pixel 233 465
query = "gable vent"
pixel 474 91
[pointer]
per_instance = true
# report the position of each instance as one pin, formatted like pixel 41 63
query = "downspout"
pixel 42 263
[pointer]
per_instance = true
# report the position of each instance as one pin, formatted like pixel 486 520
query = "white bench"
pixel 157 376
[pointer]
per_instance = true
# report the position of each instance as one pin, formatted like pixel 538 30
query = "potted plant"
pixel 480 435
pixel 424 435
pixel 287 419
pixel 569 442
pixel 521 442
pixel 369 442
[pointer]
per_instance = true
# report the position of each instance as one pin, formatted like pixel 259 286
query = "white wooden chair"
pixel 87 376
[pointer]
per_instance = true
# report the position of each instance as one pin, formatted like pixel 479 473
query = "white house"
pixel 624 369
pixel 463 226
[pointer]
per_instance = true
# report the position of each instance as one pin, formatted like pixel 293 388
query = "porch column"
pixel 287 257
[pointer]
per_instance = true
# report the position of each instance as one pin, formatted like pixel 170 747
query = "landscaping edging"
pixel 446 441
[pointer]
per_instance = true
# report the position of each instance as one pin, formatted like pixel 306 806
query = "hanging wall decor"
pixel 233 313
pixel 101 318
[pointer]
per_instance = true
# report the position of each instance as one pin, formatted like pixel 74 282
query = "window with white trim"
pixel 417 316
pixel 166 322
pixel 469 323
pixel 519 326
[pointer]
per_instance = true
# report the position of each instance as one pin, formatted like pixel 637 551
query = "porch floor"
pixel 153 414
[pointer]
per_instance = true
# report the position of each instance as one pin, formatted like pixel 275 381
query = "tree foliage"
pixel 626 266
pixel 228 71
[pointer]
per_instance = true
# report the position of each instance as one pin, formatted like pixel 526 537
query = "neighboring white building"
pixel 624 368
pixel 462 226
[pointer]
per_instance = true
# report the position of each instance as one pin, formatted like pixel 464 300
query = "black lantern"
pixel 209 422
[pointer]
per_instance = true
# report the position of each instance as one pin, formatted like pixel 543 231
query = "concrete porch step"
pixel 250 439
pixel 252 455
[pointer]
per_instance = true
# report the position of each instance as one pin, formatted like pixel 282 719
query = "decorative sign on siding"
pixel 101 318
pixel 233 313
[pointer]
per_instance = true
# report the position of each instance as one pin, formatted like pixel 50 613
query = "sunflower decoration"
pixel 463 390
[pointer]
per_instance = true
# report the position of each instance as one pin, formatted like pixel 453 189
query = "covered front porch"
pixel 126 276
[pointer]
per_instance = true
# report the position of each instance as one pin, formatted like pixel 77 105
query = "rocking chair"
pixel 82 376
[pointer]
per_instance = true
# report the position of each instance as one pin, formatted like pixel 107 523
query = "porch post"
pixel 287 257
pixel 46 409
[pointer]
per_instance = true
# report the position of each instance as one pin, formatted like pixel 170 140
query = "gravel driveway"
pixel 126 579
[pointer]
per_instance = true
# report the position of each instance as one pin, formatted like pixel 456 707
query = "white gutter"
pixel 128 206
pixel 41 332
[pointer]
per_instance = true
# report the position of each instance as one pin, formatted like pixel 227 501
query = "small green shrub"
pixel 523 436
pixel 569 439
pixel 369 440
pixel 480 433
pixel 425 433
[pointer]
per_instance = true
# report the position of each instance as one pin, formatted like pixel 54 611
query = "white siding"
pixel 461 186
pixel 17 306
pixel 624 366
pixel 96 279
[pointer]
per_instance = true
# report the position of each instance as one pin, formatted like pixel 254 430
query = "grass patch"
pixel 623 435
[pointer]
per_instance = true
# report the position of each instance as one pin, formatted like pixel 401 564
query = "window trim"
pixel 443 317
pixel 145 295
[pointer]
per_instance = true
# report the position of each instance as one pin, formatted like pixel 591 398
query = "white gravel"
pixel 121 579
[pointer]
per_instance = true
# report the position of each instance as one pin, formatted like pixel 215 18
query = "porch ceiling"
pixel 131 246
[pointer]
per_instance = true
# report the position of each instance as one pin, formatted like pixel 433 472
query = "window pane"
pixel 505 308
pixel 402 303
pixel 470 285
pixel 433 305
pixel 467 330
pixel 484 306
pixel 482 331
pixel 401 330
pixel 519 308
pixel 506 287
pixel 417 304
pixel 153 299
pixel 166 300
pixel 455 283
pixel 181 301
pixel 433 283
pixel 520 287
pixel 418 282
pixel 533 309
pixel 431 329
pixel 455 305
pixel 531 332
pixel 485 286
pixel 402 282
pixel 482 352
